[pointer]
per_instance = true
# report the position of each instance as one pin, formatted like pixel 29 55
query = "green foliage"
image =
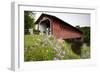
pixel 39 54
pixel 76 47
pixel 85 52
pixel 42 47
pixel 28 20
pixel 37 50
pixel 36 31
pixel 86 34
pixel 28 41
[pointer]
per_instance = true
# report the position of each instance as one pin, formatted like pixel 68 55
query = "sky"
pixel 73 19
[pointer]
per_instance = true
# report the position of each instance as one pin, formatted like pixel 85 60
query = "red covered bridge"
pixel 49 24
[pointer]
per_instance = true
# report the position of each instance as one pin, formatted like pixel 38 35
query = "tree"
pixel 86 34
pixel 78 26
pixel 29 19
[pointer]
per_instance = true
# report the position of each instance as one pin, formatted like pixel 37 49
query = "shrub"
pixel 39 50
pixel 42 47
pixel 85 52
pixel 69 53
pixel 76 47
pixel 39 54
pixel 28 41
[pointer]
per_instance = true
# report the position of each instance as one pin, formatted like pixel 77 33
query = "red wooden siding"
pixel 63 31
pixel 56 29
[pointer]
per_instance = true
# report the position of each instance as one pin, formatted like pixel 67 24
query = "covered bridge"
pixel 49 24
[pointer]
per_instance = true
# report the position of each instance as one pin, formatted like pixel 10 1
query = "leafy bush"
pixel 28 21
pixel 37 49
pixel 76 47
pixel 39 54
pixel 86 34
pixel 85 52
pixel 42 47
pixel 28 41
